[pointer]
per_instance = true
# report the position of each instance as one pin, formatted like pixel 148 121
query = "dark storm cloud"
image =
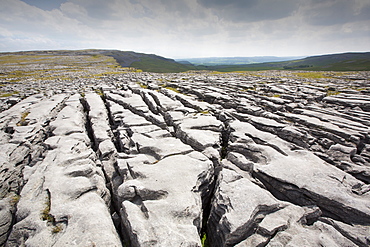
pixel 251 10
pixel 179 6
pixel 45 4
pixel 184 28
pixel 97 9
pixel 336 12
pixel 221 3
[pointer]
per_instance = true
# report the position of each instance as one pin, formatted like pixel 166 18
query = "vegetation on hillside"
pixel 212 61
pixel 55 65
pixel 69 62
pixel 151 64
pixel 332 62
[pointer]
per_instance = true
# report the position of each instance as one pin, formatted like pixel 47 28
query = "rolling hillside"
pixel 332 62
pixel 147 62
pixel 142 61
pixel 155 63
pixel 212 61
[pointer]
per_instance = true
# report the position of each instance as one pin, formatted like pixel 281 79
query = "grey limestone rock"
pixel 169 205
pixel 266 158
pixel 66 193
pixel 362 101
pixel 165 184
pixel 240 218
pixel 199 131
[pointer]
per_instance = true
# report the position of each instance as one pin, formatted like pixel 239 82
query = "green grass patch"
pixel 173 89
pixel 19 59
pixel 332 93
pixel 204 240
pixel 107 73
pixel 312 75
pixel 23 121
pixel 205 112
pixel 142 85
pixel 240 69
pixel 14 199
pixel 45 214
pixel 99 92
pixel 152 64
pixel 48 217
pixel 3 95
pixel 56 229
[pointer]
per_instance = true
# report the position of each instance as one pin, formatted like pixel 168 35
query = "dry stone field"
pixel 189 159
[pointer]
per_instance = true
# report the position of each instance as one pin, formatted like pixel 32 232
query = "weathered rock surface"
pixel 65 193
pixel 251 216
pixel 142 159
pixel 165 183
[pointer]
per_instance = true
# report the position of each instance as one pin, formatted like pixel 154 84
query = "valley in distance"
pixel 118 148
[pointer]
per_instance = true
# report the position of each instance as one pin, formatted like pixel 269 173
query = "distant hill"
pixel 333 62
pixel 211 61
pixel 145 62
pixel 154 63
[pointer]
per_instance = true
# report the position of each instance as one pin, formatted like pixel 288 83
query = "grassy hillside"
pixel 141 61
pixel 213 61
pixel 333 62
pixel 154 64
pixel 55 65
pixel 147 62
pixel 345 61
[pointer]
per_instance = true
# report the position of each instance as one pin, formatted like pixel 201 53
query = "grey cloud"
pixel 45 4
pixel 336 12
pixel 180 6
pixel 189 27
pixel 222 3
pixel 252 10
pixel 100 10
pixel 120 9
pixel 365 12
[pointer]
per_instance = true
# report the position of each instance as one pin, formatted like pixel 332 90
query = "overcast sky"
pixel 188 28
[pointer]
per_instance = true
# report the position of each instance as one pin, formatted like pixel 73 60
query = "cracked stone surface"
pixel 144 159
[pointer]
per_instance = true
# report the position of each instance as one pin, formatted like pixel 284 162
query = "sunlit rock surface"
pixel 139 159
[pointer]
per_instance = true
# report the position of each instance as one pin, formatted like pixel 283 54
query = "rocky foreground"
pixel 141 159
